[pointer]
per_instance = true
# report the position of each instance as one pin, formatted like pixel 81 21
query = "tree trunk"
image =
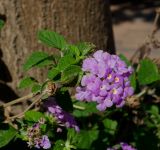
pixel 77 20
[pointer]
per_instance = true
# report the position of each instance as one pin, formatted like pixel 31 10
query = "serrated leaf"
pixel 52 39
pixel 27 82
pixel 110 125
pixel 52 73
pixel 1 24
pixel 148 72
pixel 72 50
pixel 70 72
pixel 33 116
pixel 35 59
pixel 85 48
pixel 6 136
pixel 36 88
pixel 65 62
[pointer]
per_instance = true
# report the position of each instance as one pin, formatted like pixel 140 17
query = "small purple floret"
pixel 45 143
pixel 125 146
pixel 63 118
pixel 35 138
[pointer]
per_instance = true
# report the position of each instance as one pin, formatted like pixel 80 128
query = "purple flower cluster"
pixel 105 80
pixel 63 118
pixel 35 139
pixel 124 146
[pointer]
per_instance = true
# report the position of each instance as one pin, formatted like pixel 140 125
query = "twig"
pixel 17 100
pixel 28 108
pixel 149 40
pixel 141 93
pixel 155 24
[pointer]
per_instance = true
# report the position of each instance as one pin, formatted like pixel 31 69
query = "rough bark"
pixel 77 20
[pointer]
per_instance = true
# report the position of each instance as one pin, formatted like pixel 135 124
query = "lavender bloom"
pixel 125 146
pixel 42 142
pixel 35 139
pixel 45 143
pixel 105 80
pixel 63 118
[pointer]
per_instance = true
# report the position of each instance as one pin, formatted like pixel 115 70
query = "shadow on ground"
pixel 126 10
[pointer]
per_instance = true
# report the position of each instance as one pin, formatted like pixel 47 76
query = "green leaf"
pixel 52 39
pixel 72 50
pixel 59 145
pixel 89 108
pixel 85 138
pixel 43 128
pixel 44 63
pixel 70 72
pixel 85 48
pixel 36 88
pixel 133 81
pixel 1 24
pixel 35 59
pixel 65 62
pixel 7 135
pixel 110 126
pixel 154 110
pixel 27 82
pixel 148 72
pixel 53 73
pixel 33 116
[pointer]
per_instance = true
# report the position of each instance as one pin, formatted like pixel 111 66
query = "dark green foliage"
pixel 7 133
pixel 148 72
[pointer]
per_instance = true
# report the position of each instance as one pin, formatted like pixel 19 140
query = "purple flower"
pixel 45 143
pixel 125 146
pixel 63 118
pixel 105 80
pixel 42 142
pixel 35 138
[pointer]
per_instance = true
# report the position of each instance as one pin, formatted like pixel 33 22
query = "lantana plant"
pixel 83 101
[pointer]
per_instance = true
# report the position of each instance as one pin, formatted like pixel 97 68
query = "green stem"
pixel 78 107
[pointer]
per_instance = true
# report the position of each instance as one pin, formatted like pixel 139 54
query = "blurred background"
pixel 132 23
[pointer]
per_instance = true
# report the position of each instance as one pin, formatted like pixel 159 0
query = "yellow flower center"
pixel 114 91
pixel 116 79
pixel 109 76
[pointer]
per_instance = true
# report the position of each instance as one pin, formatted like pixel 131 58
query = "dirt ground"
pixel 132 22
